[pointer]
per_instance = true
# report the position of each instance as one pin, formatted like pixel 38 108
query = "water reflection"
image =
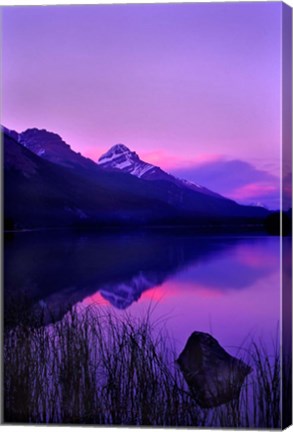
pixel 227 286
pixel 59 270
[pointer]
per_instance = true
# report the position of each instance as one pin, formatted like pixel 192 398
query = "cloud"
pixel 235 179
pixel 254 191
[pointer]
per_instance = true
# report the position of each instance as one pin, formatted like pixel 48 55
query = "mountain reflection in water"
pixel 220 284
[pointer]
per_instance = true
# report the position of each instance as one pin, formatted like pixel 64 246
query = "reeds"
pixel 98 368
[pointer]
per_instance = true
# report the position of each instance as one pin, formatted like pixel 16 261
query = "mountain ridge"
pixel 51 146
pixel 51 189
pixel 120 157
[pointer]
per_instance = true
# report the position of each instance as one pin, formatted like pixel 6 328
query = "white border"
pixel 76 2
pixel 10 428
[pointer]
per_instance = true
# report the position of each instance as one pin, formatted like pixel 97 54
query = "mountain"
pixel 51 147
pixel 39 193
pixel 121 158
pixel 47 184
pixel 9 132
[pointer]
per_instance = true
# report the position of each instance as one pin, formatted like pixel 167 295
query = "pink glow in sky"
pixel 254 190
pixel 177 82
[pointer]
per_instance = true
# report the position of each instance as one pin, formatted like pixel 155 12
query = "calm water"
pixel 228 286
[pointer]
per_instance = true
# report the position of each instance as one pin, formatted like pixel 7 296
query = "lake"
pixel 228 286
pixel 224 285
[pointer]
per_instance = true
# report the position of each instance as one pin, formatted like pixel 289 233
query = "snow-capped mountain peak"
pixel 116 152
pixel 122 158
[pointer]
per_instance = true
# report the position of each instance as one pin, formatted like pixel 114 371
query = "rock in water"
pixel 213 376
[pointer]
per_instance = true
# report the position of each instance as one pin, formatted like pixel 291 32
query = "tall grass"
pixel 96 368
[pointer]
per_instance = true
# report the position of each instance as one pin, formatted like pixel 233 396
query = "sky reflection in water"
pixel 233 294
pixel 228 285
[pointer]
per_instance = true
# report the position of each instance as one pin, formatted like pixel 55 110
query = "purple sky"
pixel 194 88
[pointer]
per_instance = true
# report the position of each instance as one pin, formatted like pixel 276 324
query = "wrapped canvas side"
pixel 286 206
